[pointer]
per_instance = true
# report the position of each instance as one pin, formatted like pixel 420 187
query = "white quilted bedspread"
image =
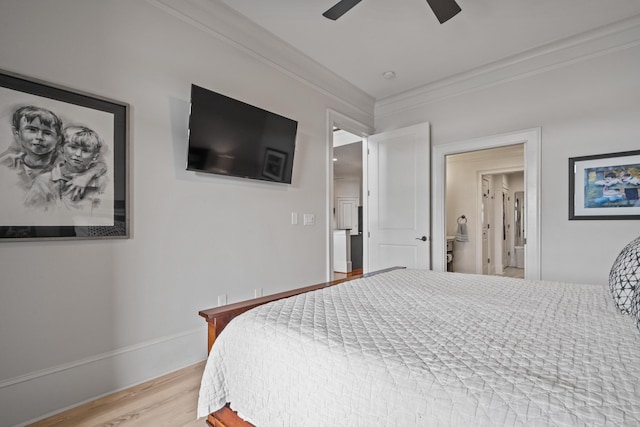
pixel 420 348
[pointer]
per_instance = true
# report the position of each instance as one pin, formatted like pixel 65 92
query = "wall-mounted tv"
pixel 230 137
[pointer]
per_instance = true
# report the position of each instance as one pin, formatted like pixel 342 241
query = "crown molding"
pixel 515 151
pixel 618 36
pixel 222 22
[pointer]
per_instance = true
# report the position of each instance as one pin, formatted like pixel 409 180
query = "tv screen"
pixel 230 137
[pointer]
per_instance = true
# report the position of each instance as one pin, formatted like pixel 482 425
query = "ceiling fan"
pixel 443 9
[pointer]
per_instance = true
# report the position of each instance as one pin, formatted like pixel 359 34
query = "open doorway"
pixel 530 141
pixel 479 190
pixel 396 201
pixel 347 212
pixel 355 132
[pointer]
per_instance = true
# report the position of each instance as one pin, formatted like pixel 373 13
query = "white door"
pixel 398 183
pixel 348 214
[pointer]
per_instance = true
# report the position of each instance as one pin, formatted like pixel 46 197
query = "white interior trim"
pixel 224 23
pixel 350 125
pixel 197 333
pixel 617 36
pixel 531 138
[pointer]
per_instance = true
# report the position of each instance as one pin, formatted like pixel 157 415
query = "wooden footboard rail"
pixel 217 318
pixel 226 417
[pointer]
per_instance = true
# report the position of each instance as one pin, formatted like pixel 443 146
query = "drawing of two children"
pixel 55 165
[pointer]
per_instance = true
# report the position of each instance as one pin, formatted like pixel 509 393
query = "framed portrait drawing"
pixel 605 186
pixel 63 163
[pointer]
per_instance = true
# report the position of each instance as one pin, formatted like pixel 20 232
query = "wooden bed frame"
pixel 217 318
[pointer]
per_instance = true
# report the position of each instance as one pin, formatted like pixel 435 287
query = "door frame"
pixel 355 127
pixel 531 138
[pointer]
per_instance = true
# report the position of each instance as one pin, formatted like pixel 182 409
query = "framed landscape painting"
pixel 605 186
pixel 63 163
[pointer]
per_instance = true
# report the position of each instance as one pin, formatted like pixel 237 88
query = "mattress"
pixel 422 348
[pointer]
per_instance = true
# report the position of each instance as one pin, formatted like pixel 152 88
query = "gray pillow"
pixel 624 277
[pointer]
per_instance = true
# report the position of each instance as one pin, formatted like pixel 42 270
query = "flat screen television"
pixel 230 137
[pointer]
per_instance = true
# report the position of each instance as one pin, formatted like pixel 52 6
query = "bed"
pixel 418 348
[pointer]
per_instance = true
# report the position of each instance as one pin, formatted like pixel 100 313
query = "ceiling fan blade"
pixel 340 9
pixel 444 9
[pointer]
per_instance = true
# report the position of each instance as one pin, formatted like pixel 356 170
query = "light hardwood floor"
pixel 517 273
pixel 337 275
pixel 166 401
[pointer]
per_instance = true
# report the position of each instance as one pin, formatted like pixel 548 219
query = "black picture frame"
pixel 274 164
pixel 605 186
pixel 37 202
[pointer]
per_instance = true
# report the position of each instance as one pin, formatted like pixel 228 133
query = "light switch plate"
pixel 309 219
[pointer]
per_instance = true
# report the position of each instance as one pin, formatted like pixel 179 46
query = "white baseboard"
pixel 37 395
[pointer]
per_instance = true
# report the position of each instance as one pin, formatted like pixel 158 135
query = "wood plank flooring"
pixel 338 275
pixel 517 273
pixel 166 401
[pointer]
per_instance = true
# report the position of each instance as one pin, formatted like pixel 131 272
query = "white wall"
pixel 584 107
pixel 82 318
pixel 347 187
pixel 516 182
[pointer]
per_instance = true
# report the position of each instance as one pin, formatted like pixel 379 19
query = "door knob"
pixel 423 238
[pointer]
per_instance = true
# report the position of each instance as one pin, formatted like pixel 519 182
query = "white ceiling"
pixel 404 35
pixel 348 163
pixel 347 155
